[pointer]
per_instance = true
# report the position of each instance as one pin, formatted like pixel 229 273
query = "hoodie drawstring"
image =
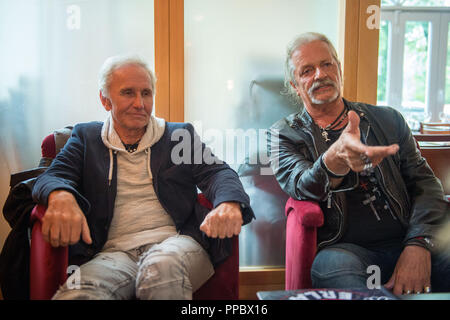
pixel 147 151
pixel 111 164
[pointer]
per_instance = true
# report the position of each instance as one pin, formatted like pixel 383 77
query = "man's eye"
pixel 306 71
pixel 147 93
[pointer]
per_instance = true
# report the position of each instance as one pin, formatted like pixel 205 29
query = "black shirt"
pixel 369 220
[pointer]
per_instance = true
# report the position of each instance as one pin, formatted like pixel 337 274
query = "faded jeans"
pixel 345 265
pixel 172 269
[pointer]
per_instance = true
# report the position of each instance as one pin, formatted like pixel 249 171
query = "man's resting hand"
pixel 64 222
pixel 412 272
pixel 223 221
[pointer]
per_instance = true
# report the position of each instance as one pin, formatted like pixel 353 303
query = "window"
pixel 413 49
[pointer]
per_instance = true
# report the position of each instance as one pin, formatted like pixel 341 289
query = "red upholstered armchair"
pixel 49 266
pixel 303 219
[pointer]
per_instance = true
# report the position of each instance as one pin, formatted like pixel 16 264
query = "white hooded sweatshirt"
pixel 138 218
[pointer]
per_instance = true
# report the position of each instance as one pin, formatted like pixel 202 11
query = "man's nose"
pixel 320 74
pixel 138 101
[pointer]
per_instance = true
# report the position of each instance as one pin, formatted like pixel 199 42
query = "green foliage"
pixel 416 55
pixel 382 60
pixel 447 73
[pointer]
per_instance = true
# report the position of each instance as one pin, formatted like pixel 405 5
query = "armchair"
pixel 49 266
pixel 303 219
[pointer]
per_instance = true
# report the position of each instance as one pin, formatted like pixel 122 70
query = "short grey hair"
pixel 115 62
pixel 299 41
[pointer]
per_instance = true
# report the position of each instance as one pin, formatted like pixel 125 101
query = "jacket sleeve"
pixel 428 206
pixel 215 178
pixel 298 176
pixel 65 172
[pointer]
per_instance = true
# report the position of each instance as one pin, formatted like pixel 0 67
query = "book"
pixel 328 294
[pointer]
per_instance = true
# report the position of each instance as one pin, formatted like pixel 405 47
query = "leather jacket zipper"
pixel 323 243
pixel 383 180
pixel 389 193
pixel 330 200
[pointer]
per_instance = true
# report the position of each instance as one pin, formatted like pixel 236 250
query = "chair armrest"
pixel 37 214
pixel 308 213
pixel 303 219
pixel 48 265
pixel 224 284
pixel 204 202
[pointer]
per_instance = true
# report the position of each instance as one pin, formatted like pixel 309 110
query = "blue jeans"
pixel 344 265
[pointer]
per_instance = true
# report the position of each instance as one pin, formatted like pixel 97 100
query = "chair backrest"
pixel 438 159
pixel 435 148
pixel 53 143
pixel 434 128
pixel 432 137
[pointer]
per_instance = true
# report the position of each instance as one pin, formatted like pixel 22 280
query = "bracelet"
pixel 329 172
pixel 425 242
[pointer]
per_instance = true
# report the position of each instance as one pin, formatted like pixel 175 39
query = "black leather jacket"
pixel 414 193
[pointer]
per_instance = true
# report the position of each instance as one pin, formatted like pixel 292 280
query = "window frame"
pixel 438 19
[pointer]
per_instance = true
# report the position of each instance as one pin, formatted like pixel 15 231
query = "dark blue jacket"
pixel 82 168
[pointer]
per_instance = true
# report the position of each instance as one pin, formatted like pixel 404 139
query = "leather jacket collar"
pixel 303 121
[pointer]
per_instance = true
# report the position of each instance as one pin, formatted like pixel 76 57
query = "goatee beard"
pixel 318 84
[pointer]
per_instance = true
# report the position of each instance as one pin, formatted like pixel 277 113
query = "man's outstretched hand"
pixel 346 153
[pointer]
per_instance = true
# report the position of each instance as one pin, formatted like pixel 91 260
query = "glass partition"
pixel 234 73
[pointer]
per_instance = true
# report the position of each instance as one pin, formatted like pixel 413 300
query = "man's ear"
pixel 106 102
pixel 295 88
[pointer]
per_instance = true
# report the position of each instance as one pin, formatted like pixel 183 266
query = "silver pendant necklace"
pixel 334 124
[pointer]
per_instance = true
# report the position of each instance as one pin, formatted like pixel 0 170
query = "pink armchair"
pixel 303 219
pixel 48 265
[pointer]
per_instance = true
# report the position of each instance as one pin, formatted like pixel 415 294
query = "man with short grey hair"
pixel 382 203
pixel 128 209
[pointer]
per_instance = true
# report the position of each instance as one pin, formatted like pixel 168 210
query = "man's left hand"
pixel 223 221
pixel 412 273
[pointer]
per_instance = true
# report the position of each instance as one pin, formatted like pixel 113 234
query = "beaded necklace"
pixel 334 124
pixel 131 147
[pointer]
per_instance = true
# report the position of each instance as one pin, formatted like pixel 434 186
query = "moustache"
pixel 320 83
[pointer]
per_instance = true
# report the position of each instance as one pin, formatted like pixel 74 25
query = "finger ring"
pixel 364 158
pixel 368 166
pixel 427 289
